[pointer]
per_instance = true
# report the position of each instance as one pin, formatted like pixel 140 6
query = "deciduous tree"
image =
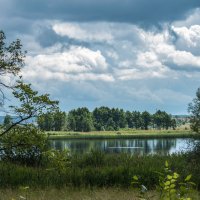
pixel 194 110
pixel 11 62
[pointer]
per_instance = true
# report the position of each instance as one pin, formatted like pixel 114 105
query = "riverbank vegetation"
pixel 96 169
pixel 128 133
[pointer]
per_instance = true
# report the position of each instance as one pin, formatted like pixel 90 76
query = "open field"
pixel 179 133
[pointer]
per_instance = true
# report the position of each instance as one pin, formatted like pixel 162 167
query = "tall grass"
pixel 97 169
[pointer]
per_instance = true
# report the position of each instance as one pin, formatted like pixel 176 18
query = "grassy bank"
pixel 78 194
pixel 97 169
pixel 123 134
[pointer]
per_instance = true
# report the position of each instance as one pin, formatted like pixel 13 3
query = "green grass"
pixel 123 134
pixel 97 169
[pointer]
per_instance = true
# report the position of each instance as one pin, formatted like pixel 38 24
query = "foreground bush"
pixel 170 187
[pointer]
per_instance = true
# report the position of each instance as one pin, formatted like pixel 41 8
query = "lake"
pixel 161 146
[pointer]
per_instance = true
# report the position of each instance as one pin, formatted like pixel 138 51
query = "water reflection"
pixel 133 146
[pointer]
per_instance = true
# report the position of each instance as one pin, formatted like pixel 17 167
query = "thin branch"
pixel 15 124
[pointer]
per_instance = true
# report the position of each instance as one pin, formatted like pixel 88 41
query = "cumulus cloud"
pixel 190 36
pixel 85 32
pixel 77 63
pixel 184 59
pixel 148 60
pixel 141 53
pixel 162 52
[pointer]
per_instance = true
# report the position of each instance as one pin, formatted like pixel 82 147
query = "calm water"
pixel 133 146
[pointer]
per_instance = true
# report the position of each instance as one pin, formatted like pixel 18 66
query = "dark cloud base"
pixel 135 11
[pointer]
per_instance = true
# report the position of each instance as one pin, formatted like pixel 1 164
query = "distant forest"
pixel 104 119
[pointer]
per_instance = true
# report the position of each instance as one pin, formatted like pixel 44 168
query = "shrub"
pixel 170 186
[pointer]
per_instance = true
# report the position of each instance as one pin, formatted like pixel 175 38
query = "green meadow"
pixel 179 133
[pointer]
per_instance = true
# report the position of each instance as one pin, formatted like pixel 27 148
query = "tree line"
pixel 104 119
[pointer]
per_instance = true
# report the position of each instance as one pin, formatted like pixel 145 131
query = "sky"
pixel 132 54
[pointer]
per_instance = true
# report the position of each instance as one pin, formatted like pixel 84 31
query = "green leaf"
pixel 135 178
pixel 188 177
pixel 169 177
pixel 167 183
pixel 175 175
pixel 172 186
pixel 166 164
pixel 166 187
pixel 173 180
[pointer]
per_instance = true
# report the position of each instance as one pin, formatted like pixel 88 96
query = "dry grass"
pixel 70 194
pixel 77 194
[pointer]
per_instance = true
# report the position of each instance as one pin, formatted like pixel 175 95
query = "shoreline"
pixel 137 134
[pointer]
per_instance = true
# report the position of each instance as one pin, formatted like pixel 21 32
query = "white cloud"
pixel 189 36
pixel 138 74
pixel 154 55
pixel 77 63
pixel 183 58
pixel 187 33
pixel 83 32
pixel 161 52
pixel 148 60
